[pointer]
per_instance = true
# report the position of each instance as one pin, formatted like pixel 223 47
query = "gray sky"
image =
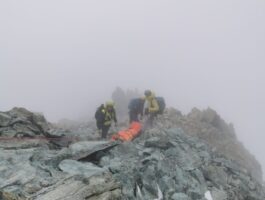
pixel 65 57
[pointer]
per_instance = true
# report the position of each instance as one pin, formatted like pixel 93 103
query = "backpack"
pixel 98 114
pixel 134 104
pixel 161 103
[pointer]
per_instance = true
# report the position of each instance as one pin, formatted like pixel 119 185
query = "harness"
pixel 108 116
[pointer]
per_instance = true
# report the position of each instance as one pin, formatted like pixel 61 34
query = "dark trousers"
pixel 150 120
pixel 105 130
pixel 99 125
pixel 133 116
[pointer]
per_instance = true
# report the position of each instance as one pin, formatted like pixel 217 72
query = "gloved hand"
pixel 116 124
pixel 141 117
pixel 146 111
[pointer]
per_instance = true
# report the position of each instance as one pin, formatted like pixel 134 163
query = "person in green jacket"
pixel 153 106
pixel 104 115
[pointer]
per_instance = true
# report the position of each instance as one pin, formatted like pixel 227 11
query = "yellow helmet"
pixel 109 104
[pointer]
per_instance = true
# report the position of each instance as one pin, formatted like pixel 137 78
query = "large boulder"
pixel 41 173
pixel 86 169
pixel 209 127
pixel 5 119
pixel 95 188
pixel 21 122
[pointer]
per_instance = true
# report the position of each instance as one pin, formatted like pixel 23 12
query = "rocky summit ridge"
pixel 182 157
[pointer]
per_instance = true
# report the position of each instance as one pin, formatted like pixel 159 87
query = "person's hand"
pixel 116 124
pixel 141 117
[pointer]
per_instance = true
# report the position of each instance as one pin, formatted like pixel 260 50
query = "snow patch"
pixel 208 195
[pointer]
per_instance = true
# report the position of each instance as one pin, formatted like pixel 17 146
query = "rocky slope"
pixel 181 157
pixel 214 131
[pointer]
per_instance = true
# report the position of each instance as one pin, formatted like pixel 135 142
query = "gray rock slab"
pixel 94 189
pixel 179 196
pixel 74 167
pixel 82 149
pixel 4 119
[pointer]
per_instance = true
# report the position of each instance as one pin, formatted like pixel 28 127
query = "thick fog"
pixel 64 58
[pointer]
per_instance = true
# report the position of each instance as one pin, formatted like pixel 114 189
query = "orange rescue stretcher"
pixel 129 134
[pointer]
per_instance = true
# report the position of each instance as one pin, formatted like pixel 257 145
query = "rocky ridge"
pixel 182 157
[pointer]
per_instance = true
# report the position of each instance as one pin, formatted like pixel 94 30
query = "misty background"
pixel 64 58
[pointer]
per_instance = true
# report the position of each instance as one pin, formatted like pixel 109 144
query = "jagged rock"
pixel 180 157
pixel 216 175
pixel 15 167
pixel 22 143
pixel 21 122
pixel 11 195
pixel 254 197
pixel 195 114
pixel 23 176
pixel 181 164
pixel 172 112
pixel 195 193
pixel 73 167
pixel 4 119
pixel 213 130
pixel 6 133
pixel 219 194
pixel 180 196
pixel 210 116
pixel 18 177
pixel 110 195
pixel 98 187
pixel 114 165
pixel 158 143
pixel 83 149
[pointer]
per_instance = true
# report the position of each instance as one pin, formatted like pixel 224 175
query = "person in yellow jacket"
pixel 104 115
pixel 153 106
